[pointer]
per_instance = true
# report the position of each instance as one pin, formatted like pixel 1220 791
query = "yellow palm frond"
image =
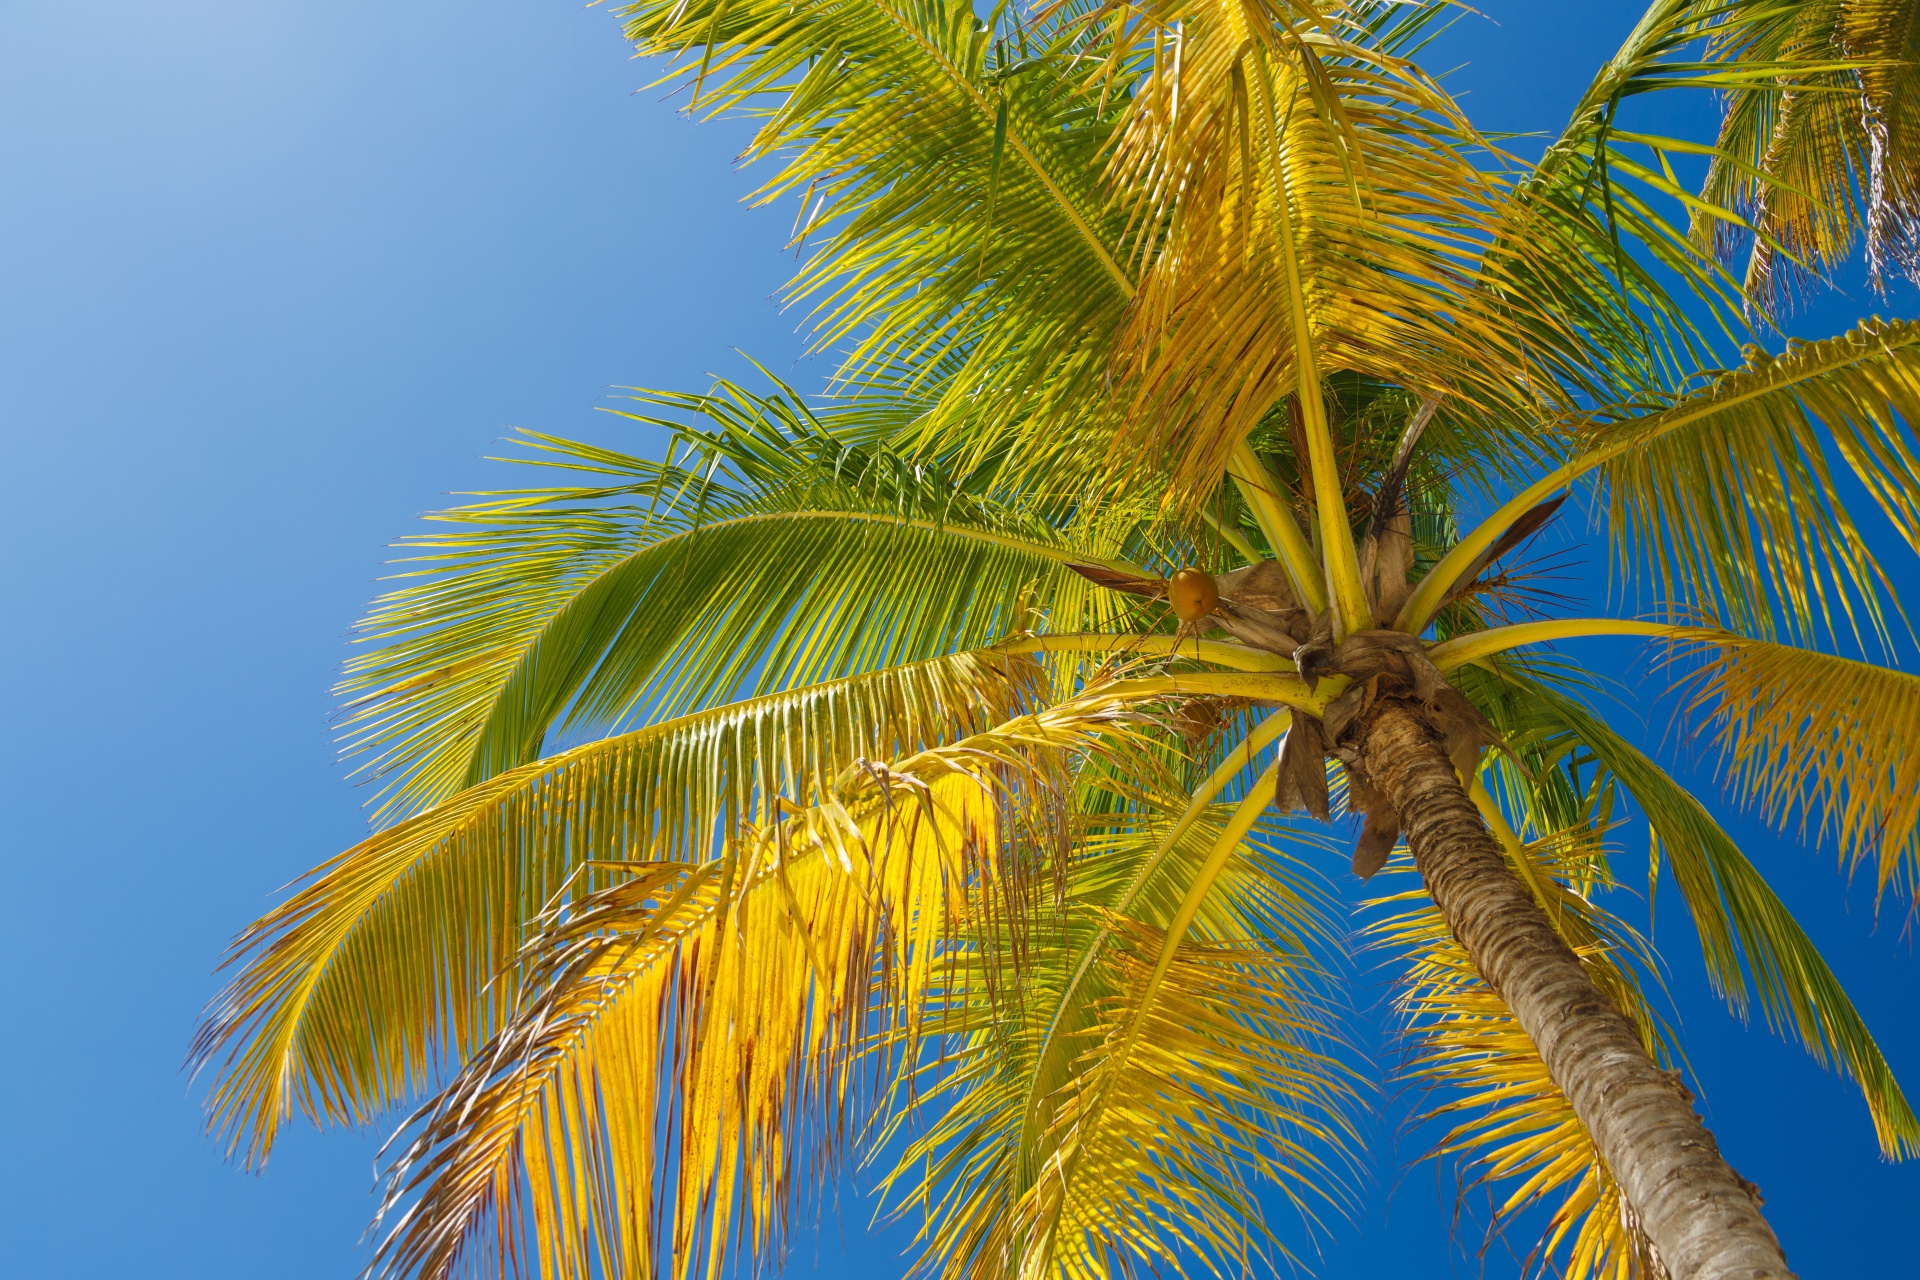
pixel 1728 496
pixel 1192 1038
pixel 1829 741
pixel 689 1039
pixel 1305 203
pixel 395 959
pixel 1826 148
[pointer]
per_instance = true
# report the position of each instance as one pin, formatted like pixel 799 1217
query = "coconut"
pixel 1193 594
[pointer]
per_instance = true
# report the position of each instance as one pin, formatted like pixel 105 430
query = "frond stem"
pixel 1464 649
pixel 1232 537
pixel 1262 492
pixel 1238 657
pixel 1341 557
pixel 1203 796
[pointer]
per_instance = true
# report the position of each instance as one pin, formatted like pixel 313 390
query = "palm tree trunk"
pixel 1703 1219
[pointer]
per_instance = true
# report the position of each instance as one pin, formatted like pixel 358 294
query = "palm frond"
pixel 1725 496
pixel 1229 1089
pixel 1751 943
pixel 765 552
pixel 690 1041
pixel 396 958
pixel 690 1038
pixel 1825 148
pixel 1307 204
pixel 964 246
pixel 1588 224
pixel 1830 741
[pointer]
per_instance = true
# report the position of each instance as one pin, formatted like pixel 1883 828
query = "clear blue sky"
pixel 273 279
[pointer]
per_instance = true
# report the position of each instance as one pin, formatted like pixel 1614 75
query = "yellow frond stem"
pixel 1341 558
pixel 1206 793
pixel 1291 691
pixel 1259 796
pixel 1461 650
pixel 1142 1002
pixel 1289 544
pixel 1232 537
pixel 1202 800
pixel 1237 656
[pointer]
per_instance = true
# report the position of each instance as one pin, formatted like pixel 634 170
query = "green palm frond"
pixel 1832 742
pixel 1751 943
pixel 1728 498
pixel 395 959
pixel 765 552
pixel 965 244
pixel 1585 225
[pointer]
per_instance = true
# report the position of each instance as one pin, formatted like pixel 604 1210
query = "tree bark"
pixel 1703 1219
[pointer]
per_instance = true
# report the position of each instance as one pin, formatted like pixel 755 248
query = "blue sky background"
pixel 273 279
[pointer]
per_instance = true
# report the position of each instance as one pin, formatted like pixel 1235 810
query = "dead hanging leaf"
pixel 1349 707
pixel 1114 580
pixel 1386 554
pixel 1257 608
pixel 1387 565
pixel 1275 632
pixel 1260 585
pixel 1380 830
pixel 1314 656
pixel 1303 770
pixel 1466 732
pixel 1200 718
pixel 1522 529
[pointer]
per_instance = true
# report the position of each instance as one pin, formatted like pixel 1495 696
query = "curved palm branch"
pixel 1314 208
pixel 1727 495
pixel 397 957
pixel 765 552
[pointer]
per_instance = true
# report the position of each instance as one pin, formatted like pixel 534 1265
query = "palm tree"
pixel 908 769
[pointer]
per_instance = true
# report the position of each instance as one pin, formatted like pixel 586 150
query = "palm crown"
pixel 848 775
